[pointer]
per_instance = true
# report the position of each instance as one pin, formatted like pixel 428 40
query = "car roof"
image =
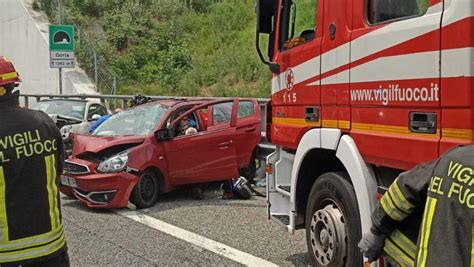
pixel 198 100
pixel 177 102
pixel 70 100
pixel 65 100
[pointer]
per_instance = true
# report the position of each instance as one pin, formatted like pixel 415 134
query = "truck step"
pixel 286 188
pixel 264 149
pixel 283 219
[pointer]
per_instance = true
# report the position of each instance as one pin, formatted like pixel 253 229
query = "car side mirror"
pixel 95 117
pixel 163 134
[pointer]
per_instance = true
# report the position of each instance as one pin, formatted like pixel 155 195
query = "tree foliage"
pixel 175 47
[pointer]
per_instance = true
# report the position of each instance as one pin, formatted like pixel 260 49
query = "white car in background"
pixel 71 115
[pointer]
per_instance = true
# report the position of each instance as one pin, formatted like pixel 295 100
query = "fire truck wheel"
pixel 333 222
pixel 249 171
pixel 145 192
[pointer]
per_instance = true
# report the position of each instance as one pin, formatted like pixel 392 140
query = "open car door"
pixel 210 154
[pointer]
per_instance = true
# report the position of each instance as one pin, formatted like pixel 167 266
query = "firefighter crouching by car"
pixel 31 161
pixel 445 189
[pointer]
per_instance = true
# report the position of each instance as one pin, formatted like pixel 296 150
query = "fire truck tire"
pixel 249 171
pixel 332 222
pixel 145 192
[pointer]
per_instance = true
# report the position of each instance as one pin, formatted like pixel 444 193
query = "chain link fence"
pixel 95 64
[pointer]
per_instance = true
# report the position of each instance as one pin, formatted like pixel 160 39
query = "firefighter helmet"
pixel 9 78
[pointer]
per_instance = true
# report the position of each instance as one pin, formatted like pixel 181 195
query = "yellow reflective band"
pixel 425 231
pixel 389 129
pixel 402 203
pixel 397 203
pixel 34 252
pixel 295 122
pixel 344 124
pixel 3 208
pixel 472 244
pixel 390 208
pixel 49 190
pixel 463 134
pixel 404 243
pixel 396 254
pixel 341 124
pixel 52 191
pixel 55 192
pixel 390 253
pixel 33 241
pixel 8 76
pixel 330 123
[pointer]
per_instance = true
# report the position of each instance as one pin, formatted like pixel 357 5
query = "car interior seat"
pixel 204 120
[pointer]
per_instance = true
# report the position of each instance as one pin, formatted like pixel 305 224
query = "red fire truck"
pixel 361 91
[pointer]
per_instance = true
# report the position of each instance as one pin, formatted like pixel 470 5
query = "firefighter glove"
pixel 371 245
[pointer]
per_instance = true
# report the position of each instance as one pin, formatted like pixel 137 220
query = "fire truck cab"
pixel 362 90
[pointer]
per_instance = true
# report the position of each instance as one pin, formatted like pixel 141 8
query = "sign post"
pixel 61 49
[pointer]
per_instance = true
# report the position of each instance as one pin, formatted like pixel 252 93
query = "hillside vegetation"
pixel 172 47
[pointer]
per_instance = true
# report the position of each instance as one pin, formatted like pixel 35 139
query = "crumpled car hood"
pixel 79 128
pixel 95 144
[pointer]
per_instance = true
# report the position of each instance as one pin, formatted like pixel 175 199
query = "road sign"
pixel 61 55
pixel 61 46
pixel 61 63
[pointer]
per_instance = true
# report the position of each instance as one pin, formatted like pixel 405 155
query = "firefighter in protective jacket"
pixel 444 188
pixel 31 160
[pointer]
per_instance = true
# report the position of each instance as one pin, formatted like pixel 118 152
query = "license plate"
pixel 68 181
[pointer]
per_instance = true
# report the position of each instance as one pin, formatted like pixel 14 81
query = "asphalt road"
pixel 109 238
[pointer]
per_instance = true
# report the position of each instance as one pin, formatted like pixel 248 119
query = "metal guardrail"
pixel 123 100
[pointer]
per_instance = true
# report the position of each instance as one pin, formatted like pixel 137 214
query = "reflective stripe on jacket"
pixel 400 249
pixel 31 156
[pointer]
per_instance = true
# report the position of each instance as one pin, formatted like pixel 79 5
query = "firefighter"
pixel 444 188
pixel 31 161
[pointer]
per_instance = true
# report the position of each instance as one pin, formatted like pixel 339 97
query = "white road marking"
pixel 197 240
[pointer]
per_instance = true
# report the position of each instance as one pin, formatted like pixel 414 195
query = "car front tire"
pixel 145 192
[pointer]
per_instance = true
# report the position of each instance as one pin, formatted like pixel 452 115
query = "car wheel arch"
pixel 159 176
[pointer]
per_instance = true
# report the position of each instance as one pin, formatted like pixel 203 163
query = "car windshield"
pixel 74 109
pixel 137 121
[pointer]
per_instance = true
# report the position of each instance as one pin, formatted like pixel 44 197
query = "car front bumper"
pixel 100 190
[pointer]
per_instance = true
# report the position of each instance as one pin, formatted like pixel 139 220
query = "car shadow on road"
pixel 181 197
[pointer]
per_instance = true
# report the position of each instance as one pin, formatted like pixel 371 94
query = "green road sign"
pixel 61 38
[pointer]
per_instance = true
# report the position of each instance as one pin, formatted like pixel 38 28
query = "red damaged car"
pixel 140 153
